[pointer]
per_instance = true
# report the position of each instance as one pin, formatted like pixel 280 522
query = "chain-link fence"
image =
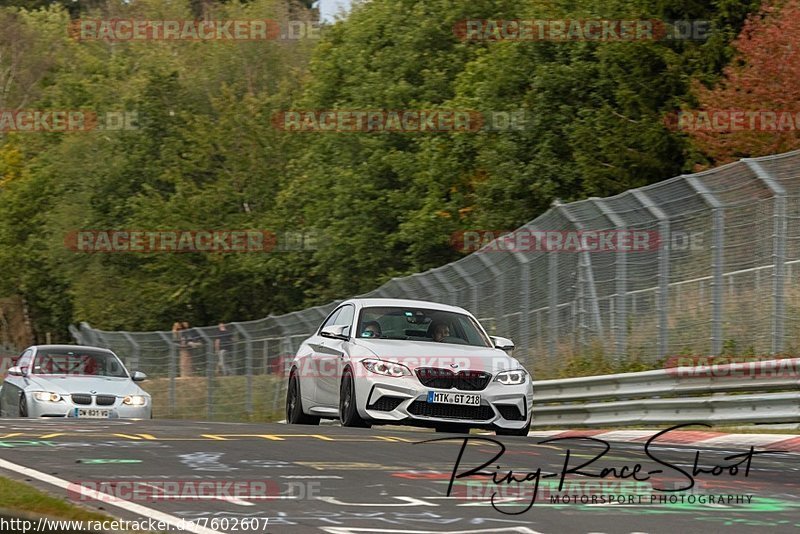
pixel 723 277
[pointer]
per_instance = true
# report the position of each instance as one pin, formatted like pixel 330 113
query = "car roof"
pixel 405 303
pixel 67 347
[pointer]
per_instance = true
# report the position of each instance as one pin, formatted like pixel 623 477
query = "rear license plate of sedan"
pixel 468 399
pixel 90 413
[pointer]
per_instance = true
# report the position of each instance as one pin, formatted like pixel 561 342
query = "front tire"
pixel 23 406
pixel 348 411
pixel 294 405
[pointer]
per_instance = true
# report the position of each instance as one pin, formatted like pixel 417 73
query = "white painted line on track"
pixel 135 508
pixel 232 500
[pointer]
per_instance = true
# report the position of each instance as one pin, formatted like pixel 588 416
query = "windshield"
pixel 79 362
pixel 420 324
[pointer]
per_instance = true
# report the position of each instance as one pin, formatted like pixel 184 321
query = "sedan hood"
pixel 84 384
pixel 414 354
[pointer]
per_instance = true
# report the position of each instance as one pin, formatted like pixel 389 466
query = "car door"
pixel 13 386
pixel 330 358
pixel 308 362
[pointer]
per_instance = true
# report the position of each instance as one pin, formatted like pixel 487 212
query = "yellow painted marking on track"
pixel 12 435
pixel 280 437
pixel 147 436
pixel 55 435
pixel 392 439
pixel 214 437
pixel 127 436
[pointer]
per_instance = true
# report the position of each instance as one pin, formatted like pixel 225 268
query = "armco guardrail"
pixel 704 394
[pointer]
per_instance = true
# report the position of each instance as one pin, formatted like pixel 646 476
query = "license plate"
pixel 468 399
pixel 90 413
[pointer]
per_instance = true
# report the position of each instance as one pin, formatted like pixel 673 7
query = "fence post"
pixel 248 367
pixel 210 370
pixel 662 304
pixel 552 301
pixel 173 368
pixel 452 293
pixel 586 282
pixel 717 259
pixel 499 297
pixel 778 254
pixel 470 283
pixel 620 303
pixel 136 352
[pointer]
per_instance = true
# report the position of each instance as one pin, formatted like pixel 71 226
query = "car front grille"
pixel 434 377
pixel 386 404
pixel 105 400
pixel 81 398
pixel 510 412
pixel 450 411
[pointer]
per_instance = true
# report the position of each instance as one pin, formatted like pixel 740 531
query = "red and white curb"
pixel 775 442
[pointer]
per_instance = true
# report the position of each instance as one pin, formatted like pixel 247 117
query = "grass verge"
pixel 20 497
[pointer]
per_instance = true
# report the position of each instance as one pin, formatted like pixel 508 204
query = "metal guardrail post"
pixel 173 368
pixel 470 283
pixel 136 352
pixel 587 279
pixel 499 297
pixel 248 367
pixel 552 301
pixel 452 292
pixel 662 305
pixel 620 306
pixel 717 250
pixel 210 370
pixel 779 252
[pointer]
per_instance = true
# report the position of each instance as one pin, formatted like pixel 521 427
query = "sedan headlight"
pixel 386 368
pixel 511 378
pixel 134 400
pixel 46 396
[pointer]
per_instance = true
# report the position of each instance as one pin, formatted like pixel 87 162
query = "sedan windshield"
pixel 419 324
pixel 79 362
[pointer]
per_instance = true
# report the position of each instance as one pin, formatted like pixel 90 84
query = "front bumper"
pixel 66 408
pixel 404 400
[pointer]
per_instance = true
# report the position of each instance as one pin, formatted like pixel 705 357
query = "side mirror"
pixel 335 332
pixel 138 376
pixel 503 343
pixel 15 371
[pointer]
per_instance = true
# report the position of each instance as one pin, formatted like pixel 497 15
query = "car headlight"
pixel 511 378
pixel 386 368
pixel 134 400
pixel 46 396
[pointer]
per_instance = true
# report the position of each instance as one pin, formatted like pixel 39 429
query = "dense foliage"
pixel 206 154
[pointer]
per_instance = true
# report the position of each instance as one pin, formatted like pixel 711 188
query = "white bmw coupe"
pixel 392 361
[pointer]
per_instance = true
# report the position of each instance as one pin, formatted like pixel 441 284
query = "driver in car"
pixel 372 329
pixel 439 331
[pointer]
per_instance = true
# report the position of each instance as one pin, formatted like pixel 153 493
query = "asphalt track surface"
pixel 337 480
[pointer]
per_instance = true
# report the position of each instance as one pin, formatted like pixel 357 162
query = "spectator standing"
pixel 223 346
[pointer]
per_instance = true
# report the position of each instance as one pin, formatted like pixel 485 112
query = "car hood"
pixel 86 384
pixel 442 355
